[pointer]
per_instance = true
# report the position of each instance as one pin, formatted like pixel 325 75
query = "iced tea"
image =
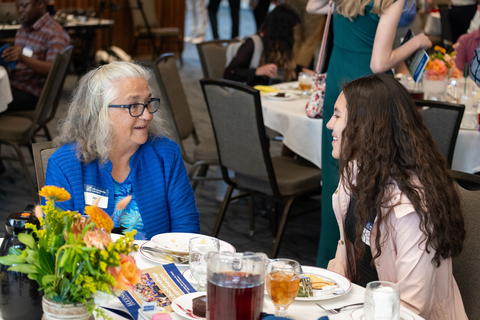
pixel 282 287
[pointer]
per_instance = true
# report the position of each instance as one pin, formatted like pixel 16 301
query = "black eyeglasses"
pixel 137 109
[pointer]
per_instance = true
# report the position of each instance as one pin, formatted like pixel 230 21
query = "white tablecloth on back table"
pixel 304 135
pixel 5 91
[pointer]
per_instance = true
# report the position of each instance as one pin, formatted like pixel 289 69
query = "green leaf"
pixel 12 259
pixel 14 251
pixel 24 268
pixel 27 239
pixel 89 265
pixel 47 279
pixel 32 258
pixel 47 260
pixel 64 287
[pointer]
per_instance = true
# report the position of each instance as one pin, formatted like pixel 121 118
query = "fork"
pixel 337 310
pixel 176 258
pixel 306 283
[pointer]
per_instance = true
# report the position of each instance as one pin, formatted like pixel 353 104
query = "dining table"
pixel 303 135
pixel 5 90
pixel 298 310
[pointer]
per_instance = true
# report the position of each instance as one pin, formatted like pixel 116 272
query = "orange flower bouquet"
pixel 74 259
pixel 442 64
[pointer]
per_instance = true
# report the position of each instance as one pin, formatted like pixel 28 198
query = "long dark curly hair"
pixel 386 136
pixel 278 39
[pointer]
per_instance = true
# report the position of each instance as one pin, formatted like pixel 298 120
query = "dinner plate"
pixel 176 242
pixel 273 96
pixel 185 302
pixel 358 315
pixel 343 284
pixel 224 246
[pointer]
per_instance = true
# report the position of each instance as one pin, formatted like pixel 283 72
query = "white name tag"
pixel 27 52
pixel 366 233
pixel 92 193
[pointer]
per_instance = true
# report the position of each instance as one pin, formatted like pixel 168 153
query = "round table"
pixel 303 135
pixel 5 90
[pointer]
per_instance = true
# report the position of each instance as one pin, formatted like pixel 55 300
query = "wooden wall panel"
pixel 169 13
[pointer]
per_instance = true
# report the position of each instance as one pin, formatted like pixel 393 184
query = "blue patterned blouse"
pixel 130 217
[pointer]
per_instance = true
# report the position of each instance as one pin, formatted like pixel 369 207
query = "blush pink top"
pixel 426 290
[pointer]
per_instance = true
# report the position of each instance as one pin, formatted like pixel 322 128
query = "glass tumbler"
pixel 305 82
pixel 283 282
pixel 382 301
pixel 198 248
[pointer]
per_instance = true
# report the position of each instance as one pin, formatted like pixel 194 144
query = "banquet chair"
pixel 50 115
pixel 173 95
pixel 140 30
pixel 466 266
pixel 466 180
pixel 18 131
pixel 212 57
pixel 236 113
pixel 41 153
pixel 443 119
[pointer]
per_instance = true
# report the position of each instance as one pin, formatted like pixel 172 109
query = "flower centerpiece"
pixel 72 257
pixel 442 64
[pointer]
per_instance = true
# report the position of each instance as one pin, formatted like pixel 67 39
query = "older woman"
pixel 396 204
pixel 113 145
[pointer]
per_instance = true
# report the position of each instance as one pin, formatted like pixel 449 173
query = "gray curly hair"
pixel 88 122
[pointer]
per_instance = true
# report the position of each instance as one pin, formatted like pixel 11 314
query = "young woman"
pixel 260 58
pixel 364 31
pixel 396 205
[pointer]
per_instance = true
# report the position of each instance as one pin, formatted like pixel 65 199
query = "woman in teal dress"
pixel 364 31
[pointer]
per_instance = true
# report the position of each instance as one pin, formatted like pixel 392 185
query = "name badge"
pixel 27 52
pixel 92 193
pixel 366 233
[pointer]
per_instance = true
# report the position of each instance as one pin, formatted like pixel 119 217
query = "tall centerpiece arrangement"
pixel 73 258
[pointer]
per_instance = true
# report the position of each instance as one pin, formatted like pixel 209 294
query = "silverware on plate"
pixel 176 258
pixel 337 310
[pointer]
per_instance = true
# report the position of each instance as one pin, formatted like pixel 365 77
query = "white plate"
pixel 358 315
pixel 288 96
pixel 175 241
pixel 185 301
pixel 189 276
pixel 224 246
pixel 341 281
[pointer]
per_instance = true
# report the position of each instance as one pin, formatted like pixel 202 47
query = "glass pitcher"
pixel 235 286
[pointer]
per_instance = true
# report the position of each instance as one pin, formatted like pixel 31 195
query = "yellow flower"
pixel 442 50
pixel 53 193
pixel 101 218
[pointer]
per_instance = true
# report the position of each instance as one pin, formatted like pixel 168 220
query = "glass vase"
pixel 434 88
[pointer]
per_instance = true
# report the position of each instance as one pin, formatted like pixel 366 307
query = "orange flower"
pixel 97 238
pixel 429 65
pixel 77 226
pixel 53 193
pixel 100 217
pixel 127 274
pixel 442 50
pixel 437 71
pixel 456 73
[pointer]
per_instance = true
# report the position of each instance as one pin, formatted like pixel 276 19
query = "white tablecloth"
pixel 304 135
pixel 299 310
pixel 5 91
pixel 301 134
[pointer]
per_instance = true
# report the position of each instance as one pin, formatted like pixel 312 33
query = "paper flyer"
pixel 161 284
pixel 417 61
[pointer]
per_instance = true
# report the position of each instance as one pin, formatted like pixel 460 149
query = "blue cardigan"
pixel 163 192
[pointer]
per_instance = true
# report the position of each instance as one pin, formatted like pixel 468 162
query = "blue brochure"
pixel 417 62
pixel 12 64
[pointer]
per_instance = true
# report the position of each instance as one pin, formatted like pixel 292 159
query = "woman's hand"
pixel 269 70
pixel 423 41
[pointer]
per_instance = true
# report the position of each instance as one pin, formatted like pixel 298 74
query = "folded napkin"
pixel 265 89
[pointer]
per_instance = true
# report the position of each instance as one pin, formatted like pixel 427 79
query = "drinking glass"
pixel 283 281
pixel 198 248
pixel 382 301
pixel 305 82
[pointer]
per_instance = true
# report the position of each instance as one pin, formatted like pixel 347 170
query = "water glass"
pixel 382 301
pixel 305 82
pixel 283 282
pixel 198 248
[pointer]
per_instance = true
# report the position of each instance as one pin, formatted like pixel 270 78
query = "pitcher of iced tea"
pixel 236 285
